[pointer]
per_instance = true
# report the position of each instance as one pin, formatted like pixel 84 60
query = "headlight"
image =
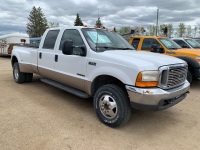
pixel 147 79
pixel 197 57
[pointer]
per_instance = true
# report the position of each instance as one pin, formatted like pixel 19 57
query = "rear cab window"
pixel 50 39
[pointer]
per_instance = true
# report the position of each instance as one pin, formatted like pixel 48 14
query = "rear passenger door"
pixel 46 54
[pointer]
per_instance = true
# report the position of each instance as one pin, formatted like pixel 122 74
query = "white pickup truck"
pixel 90 62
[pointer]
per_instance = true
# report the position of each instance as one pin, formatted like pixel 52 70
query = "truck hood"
pixel 138 59
pixel 193 52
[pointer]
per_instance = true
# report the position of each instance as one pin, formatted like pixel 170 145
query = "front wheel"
pixel 112 105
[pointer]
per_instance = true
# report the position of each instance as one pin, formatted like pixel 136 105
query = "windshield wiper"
pixel 107 47
pixel 174 48
pixel 120 48
pixel 125 48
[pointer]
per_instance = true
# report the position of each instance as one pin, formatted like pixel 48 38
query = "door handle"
pixel 56 58
pixel 40 55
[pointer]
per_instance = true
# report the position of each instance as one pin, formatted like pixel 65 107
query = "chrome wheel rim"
pixel 108 106
pixel 16 73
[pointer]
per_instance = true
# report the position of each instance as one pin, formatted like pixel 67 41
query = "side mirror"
pixel 79 50
pixel 67 48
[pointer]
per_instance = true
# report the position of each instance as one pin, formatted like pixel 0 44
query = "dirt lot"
pixel 36 116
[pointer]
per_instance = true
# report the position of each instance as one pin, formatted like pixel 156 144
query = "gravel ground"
pixel 36 116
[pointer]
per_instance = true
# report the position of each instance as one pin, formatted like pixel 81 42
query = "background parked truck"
pixel 90 62
pixel 187 43
pixel 166 46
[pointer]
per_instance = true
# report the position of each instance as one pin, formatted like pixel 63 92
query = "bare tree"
pixel 53 24
pixel 195 31
pixel 189 31
pixel 151 29
pixel 181 29
pixel 170 30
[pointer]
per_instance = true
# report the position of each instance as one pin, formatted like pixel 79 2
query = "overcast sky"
pixel 118 13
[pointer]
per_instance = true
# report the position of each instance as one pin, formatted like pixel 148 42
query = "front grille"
pixel 173 76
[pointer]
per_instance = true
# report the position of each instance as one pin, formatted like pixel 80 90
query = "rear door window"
pixel 74 35
pixel 135 43
pixel 147 43
pixel 181 43
pixel 50 39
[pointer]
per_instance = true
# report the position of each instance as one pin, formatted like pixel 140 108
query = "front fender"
pixel 125 76
pixel 190 61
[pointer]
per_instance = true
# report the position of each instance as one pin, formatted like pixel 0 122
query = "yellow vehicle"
pixel 166 46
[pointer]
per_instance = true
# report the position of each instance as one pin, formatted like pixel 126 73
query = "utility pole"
pixel 98 12
pixel 157 21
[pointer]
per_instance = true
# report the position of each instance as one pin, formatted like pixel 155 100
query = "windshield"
pixel 103 40
pixel 169 44
pixel 198 40
pixel 193 43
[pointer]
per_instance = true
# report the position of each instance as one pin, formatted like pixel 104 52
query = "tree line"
pixel 37 24
pixel 181 30
pixel 168 30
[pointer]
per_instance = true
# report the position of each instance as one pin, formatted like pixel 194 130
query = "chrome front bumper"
pixel 156 98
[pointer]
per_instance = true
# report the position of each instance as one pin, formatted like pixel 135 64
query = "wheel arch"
pixel 192 64
pixel 14 60
pixel 106 79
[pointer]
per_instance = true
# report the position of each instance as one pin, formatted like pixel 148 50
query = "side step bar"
pixel 66 88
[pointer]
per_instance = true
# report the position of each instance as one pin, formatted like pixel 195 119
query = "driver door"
pixel 71 69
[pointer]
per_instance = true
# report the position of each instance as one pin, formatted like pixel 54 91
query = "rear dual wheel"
pixel 21 77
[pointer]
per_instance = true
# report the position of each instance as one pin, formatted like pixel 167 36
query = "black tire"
pixel 18 76
pixel 189 76
pixel 112 95
pixel 29 77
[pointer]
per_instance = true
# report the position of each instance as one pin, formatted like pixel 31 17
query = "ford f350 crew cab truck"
pixel 90 62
